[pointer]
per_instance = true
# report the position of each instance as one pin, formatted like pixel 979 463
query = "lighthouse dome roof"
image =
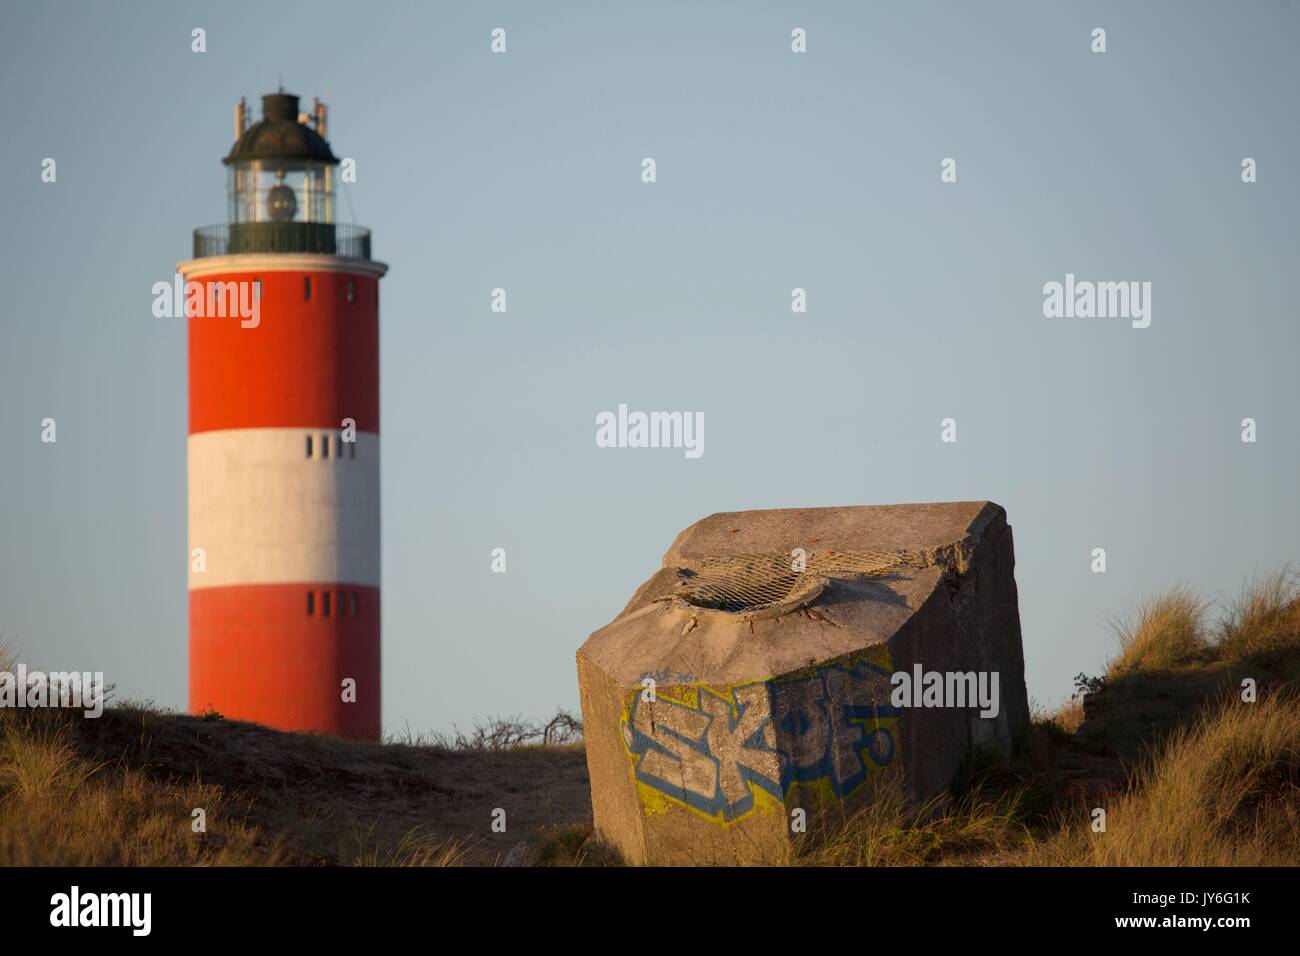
pixel 279 135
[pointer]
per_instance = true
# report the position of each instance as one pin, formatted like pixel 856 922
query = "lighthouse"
pixel 284 577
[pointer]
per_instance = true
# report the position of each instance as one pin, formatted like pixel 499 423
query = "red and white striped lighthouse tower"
pixel 284 442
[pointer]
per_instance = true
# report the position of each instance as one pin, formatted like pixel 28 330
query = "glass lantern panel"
pixel 280 191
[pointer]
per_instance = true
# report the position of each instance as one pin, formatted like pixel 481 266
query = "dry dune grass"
pixel 1261 625
pixel 1188 773
pixel 976 827
pixel 1225 792
pixel 121 789
pixel 1167 632
pixel 1216 780
pixel 58 807
pixel 1068 717
pixel 416 847
pixel 1264 622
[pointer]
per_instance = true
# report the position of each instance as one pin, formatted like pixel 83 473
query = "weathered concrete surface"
pixel 757 712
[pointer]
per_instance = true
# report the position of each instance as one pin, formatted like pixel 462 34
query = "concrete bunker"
pixel 754 674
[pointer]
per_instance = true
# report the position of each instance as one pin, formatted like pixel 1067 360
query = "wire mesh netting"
pixel 752 582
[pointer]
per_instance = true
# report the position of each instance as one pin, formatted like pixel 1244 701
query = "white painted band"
pixel 265 513
pixel 279 262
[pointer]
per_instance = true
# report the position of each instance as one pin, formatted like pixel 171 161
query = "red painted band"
pixel 268 653
pixel 310 361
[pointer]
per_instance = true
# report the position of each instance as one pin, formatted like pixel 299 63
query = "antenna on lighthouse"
pixel 241 117
pixel 319 110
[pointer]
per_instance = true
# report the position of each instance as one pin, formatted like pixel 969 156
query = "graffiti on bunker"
pixel 713 749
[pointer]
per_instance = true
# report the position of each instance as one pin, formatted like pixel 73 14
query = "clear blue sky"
pixel 775 170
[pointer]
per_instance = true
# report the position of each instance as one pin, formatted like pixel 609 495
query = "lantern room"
pixel 280 169
pixel 280 178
